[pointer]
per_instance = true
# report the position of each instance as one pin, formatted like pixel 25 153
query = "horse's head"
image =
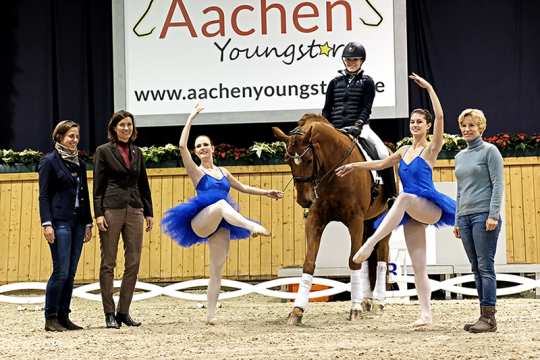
pixel 302 157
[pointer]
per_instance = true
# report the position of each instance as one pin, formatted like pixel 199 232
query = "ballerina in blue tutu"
pixel 419 204
pixel 211 216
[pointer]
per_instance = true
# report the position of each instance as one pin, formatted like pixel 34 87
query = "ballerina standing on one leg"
pixel 419 204
pixel 211 216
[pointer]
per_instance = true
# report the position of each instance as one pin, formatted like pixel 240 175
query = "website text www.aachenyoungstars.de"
pixel 220 91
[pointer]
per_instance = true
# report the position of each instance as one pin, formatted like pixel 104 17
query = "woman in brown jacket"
pixel 122 202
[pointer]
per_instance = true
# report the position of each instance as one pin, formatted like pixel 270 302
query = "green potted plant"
pixel 23 161
pixel 451 146
pixel 268 153
pixel 161 156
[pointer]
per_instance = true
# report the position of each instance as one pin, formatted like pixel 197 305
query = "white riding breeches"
pixel 382 150
pixel 374 139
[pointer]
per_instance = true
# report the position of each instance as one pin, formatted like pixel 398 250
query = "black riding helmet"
pixel 354 50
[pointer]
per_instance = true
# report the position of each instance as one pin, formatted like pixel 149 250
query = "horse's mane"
pixel 321 129
pixel 311 118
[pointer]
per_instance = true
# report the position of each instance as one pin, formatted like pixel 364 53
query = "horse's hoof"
pixel 377 308
pixel 356 315
pixel 295 316
pixel 367 305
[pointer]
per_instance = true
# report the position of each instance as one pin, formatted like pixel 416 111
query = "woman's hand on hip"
pixel 491 224
pixel 149 223
pixel 457 232
pixel 102 223
pixel 48 233
pixel 88 234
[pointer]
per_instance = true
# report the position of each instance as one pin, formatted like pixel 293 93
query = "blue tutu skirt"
pixel 445 203
pixel 176 222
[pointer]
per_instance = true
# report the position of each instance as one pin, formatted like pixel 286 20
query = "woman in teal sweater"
pixel 480 187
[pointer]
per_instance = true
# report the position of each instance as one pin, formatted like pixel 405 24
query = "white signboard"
pixel 251 60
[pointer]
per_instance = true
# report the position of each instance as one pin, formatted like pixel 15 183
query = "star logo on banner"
pixel 325 49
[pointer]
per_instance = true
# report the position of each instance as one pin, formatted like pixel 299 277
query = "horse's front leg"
pixel 314 229
pixel 360 286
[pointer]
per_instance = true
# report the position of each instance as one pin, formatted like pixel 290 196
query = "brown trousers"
pixel 130 223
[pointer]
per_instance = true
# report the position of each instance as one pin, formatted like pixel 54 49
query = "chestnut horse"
pixel 314 150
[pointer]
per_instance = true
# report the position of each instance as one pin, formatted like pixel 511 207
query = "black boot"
pixel 126 319
pixel 53 325
pixel 487 322
pixel 67 323
pixel 389 186
pixel 110 321
pixel 467 326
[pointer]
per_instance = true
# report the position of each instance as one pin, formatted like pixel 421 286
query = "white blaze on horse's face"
pixel 297 159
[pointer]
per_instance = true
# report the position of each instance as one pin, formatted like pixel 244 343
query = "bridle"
pixel 315 178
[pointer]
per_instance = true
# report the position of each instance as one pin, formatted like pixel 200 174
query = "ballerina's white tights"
pixel 208 219
pixel 415 238
pixel 422 212
pixel 205 224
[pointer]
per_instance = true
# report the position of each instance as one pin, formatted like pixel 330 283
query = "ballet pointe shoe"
pixel 260 230
pixel 211 321
pixel 363 253
pixel 423 321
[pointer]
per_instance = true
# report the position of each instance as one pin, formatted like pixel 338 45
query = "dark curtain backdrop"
pixel 478 54
pixel 56 64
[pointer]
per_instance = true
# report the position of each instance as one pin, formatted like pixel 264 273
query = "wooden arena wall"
pixel 24 254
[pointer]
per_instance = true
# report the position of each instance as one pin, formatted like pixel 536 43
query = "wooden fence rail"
pixel 24 254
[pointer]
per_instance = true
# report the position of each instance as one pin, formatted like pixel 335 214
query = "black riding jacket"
pixel 349 99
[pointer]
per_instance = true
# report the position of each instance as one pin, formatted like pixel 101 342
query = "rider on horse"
pixel 349 98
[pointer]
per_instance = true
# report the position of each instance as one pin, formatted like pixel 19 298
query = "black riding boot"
pixel 67 323
pixel 389 187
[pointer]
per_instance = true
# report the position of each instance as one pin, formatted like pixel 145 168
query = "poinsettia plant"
pixel 510 144
pixel 505 142
pixel 274 149
pixel 156 154
pixel 519 141
pixel 230 152
pixel 451 142
pixel 27 157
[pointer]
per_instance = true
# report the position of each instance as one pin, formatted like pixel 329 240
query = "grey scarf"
pixel 66 154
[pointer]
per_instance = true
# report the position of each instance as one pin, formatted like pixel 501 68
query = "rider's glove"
pixel 354 131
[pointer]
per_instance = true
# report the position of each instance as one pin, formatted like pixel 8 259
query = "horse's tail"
pixel 372 266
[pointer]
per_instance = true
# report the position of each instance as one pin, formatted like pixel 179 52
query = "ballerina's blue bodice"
pixel 210 183
pixel 416 176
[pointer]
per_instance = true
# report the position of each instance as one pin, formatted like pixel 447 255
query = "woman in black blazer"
pixel 122 202
pixel 65 216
